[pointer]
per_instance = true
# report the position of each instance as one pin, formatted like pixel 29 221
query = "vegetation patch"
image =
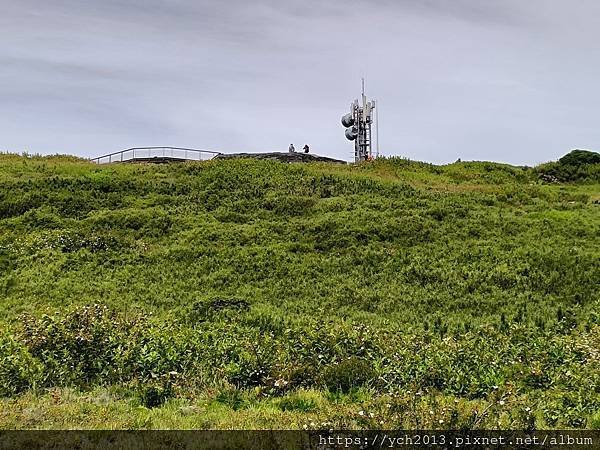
pixel 257 294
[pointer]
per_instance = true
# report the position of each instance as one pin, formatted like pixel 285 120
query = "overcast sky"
pixel 514 81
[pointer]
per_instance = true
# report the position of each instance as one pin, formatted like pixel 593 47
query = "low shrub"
pixel 85 345
pixel 156 392
pixel 578 165
pixel 232 397
pixel 302 401
pixel 19 370
pixel 348 374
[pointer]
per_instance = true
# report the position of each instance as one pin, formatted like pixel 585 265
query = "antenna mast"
pixel 377 131
pixel 358 123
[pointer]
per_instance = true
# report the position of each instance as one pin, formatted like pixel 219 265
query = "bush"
pixel 19 371
pixel 156 393
pixel 303 375
pixel 579 157
pixel 87 344
pixel 251 368
pixel 348 374
pixel 578 165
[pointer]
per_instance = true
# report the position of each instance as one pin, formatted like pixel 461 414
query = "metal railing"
pixel 156 153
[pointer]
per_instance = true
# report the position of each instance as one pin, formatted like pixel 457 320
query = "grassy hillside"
pixel 255 294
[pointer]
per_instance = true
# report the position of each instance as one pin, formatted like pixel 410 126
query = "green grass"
pixel 256 294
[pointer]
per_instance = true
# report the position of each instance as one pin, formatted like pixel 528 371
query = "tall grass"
pixel 256 281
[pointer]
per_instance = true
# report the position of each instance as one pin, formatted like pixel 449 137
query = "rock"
pixel 547 178
pixel 283 157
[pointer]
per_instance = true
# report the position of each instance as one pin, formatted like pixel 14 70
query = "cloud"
pixel 505 80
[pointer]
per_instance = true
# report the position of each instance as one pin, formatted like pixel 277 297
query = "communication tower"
pixel 358 123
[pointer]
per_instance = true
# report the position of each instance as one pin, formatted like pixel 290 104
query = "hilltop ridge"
pixel 281 157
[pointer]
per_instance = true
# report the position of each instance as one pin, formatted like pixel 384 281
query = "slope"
pixel 256 285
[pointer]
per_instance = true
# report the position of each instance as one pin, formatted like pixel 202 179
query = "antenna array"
pixel 358 124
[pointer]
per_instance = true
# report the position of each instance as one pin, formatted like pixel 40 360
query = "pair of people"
pixel 292 149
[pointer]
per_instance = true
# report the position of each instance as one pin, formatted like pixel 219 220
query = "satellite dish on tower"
pixel 348 120
pixel 351 133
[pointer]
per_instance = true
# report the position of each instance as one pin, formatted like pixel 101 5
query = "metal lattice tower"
pixel 358 123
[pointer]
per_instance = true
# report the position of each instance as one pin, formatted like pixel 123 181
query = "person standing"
pixel 305 148
pixel 291 149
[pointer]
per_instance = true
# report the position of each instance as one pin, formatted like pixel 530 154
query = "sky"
pixel 502 80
